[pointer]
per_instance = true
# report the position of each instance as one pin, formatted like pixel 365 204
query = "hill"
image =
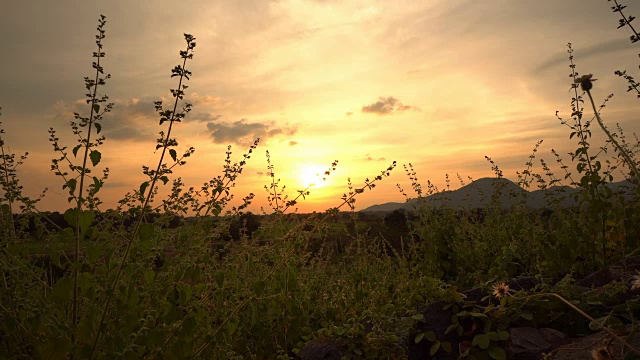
pixel 483 192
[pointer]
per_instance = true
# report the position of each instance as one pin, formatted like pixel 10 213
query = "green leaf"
pixel 97 184
pixel 477 314
pixel 174 154
pixel 497 353
pixel 166 308
pixel 75 150
pixel 71 217
pixel 143 187
pixel 146 232
pixel 258 287
pixel 219 276
pixel 417 317
pixel 164 180
pixel 232 326
pixel 98 127
pixel 503 335
pixel 200 288
pixel 482 340
pixel 446 346
pixel 96 107
pixel 526 315
pixel 54 255
pixel 95 156
pixel 430 335
pixel 150 275
pixel 434 348
pixel 419 337
pixel 86 281
pixel 189 325
pixel 61 291
pixel 185 294
pixel 86 218
pixel 71 184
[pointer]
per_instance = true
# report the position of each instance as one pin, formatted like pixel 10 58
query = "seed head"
pixel 586 82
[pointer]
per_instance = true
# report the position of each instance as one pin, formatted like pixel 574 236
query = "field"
pixel 187 275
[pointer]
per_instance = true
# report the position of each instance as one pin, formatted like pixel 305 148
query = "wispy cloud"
pixel 606 47
pixel 130 119
pixel 371 158
pixel 202 117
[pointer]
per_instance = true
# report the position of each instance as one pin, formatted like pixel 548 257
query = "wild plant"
pixel 13 198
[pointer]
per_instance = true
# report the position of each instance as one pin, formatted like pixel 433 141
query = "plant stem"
pixel 139 222
pixel 622 151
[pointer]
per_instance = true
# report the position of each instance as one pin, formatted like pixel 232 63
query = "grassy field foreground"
pixel 157 278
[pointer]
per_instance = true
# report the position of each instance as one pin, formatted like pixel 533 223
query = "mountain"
pixel 480 193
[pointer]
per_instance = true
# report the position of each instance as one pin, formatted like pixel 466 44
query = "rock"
pixel 616 271
pixel 599 344
pixel 323 349
pixel 526 343
pixel 554 337
pixel 436 319
pixel 527 283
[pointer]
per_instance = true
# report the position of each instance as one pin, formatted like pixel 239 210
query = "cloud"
pixel 202 117
pixel 293 143
pixel 130 119
pixel 242 132
pixel 195 99
pixel 386 106
pixel 370 158
pixel 584 53
pixel 349 113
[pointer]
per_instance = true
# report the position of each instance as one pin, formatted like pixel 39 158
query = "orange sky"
pixel 439 84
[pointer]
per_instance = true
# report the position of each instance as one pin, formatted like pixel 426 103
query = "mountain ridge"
pixel 479 194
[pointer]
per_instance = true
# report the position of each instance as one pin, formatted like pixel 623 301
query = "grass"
pixel 144 289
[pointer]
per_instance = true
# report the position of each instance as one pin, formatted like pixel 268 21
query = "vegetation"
pixel 190 276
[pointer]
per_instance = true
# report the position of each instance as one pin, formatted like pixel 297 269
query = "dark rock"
pixel 554 337
pixel 475 295
pixel 527 283
pixel 323 349
pixel 599 343
pixel 597 279
pixel 615 272
pixel 526 343
pixel 436 319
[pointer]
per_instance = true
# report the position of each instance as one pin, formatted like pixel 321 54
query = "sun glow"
pixel 312 176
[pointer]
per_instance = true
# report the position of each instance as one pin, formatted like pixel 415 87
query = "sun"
pixel 311 176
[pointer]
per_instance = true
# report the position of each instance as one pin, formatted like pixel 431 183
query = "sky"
pixel 438 84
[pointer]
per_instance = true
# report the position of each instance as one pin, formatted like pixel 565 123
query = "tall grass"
pixel 159 279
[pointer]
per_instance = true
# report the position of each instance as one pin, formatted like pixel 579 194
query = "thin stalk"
pixel 74 306
pixel 139 222
pixel 626 20
pixel 622 151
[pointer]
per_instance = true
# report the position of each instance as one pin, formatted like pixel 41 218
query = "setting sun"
pixel 312 176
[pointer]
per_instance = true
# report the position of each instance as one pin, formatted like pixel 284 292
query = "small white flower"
pixel 635 281
pixel 501 290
